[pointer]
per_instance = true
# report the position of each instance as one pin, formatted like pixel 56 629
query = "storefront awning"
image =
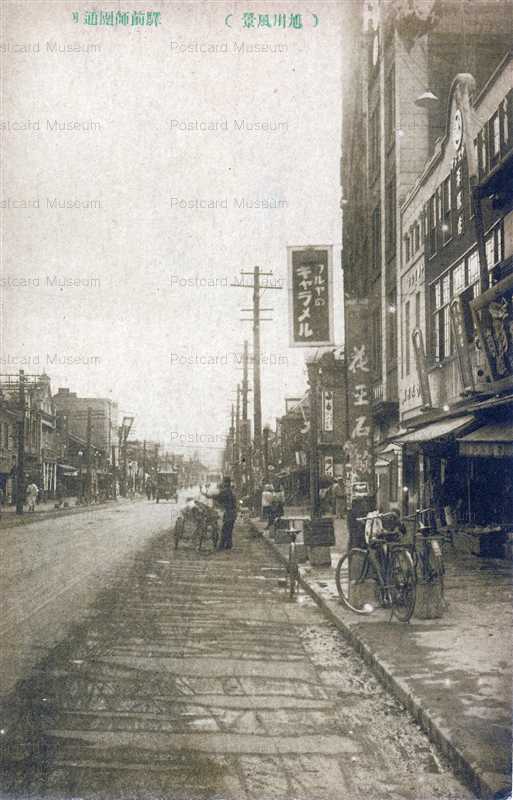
pixel 436 430
pixel 67 469
pixel 490 440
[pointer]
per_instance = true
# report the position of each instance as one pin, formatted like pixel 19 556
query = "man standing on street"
pixel 228 502
pixel 32 492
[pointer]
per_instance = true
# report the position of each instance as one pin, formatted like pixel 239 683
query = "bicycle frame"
pixel 429 556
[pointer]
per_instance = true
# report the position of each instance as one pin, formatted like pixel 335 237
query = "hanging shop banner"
pixel 310 271
pixel 328 466
pixel 460 338
pixel 420 363
pixel 358 446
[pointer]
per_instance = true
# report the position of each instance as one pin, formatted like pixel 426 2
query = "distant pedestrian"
pixel 340 498
pixel 228 502
pixel 267 501
pixel 32 493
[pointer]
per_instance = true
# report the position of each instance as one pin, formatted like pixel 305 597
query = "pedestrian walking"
pixel 32 493
pixel 340 498
pixel 267 501
pixel 228 502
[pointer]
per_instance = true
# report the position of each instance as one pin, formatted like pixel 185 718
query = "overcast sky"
pixel 109 125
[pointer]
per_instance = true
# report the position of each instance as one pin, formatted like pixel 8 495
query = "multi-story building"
pixel 456 312
pixel 91 425
pixel 40 447
pixel 8 447
pixel 399 59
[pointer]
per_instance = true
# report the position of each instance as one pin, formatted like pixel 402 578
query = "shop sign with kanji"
pixel 310 296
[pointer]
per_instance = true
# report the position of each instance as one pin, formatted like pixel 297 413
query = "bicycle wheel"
pixel 402 584
pixel 351 570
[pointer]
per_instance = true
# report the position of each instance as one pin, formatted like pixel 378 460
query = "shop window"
pixel 441 332
pixel 432 226
pixel 473 267
pixel 495 139
pixel 458 278
pixel 494 246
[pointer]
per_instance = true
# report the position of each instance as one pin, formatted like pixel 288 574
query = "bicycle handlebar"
pixel 367 518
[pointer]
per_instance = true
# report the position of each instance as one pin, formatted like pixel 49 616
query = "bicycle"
pixel 207 528
pixel 292 581
pixel 387 561
pixel 427 551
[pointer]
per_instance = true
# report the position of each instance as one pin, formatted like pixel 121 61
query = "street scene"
pixel 256 400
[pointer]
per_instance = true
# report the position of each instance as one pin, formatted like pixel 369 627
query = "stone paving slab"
pixel 454 674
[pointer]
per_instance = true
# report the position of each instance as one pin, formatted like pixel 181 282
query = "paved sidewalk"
pixel 454 673
pixel 44 511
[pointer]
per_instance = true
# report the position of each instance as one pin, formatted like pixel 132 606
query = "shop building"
pixel 456 315
pixel 398 59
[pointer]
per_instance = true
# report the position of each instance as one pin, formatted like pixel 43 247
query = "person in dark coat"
pixel 228 502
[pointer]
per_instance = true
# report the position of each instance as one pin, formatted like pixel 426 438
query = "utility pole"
pixel 125 437
pixel 246 432
pixel 237 442
pixel 20 466
pixel 232 438
pixel 88 446
pixel 114 490
pixel 257 396
pixel 256 320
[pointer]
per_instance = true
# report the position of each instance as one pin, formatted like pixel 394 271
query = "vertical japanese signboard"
pixel 310 296
pixel 358 445
pixel 460 338
pixel 421 365
pixel 327 410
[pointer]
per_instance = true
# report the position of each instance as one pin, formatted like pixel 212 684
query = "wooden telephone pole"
pixel 256 319
pixel 20 465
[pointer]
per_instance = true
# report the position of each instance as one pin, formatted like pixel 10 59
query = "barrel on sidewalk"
pixel 319 536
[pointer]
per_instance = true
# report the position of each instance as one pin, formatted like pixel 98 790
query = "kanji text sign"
pixel 310 296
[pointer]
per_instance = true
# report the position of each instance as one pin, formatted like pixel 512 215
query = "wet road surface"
pixel 195 677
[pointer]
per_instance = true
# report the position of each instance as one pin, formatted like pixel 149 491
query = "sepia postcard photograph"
pixel 256 399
